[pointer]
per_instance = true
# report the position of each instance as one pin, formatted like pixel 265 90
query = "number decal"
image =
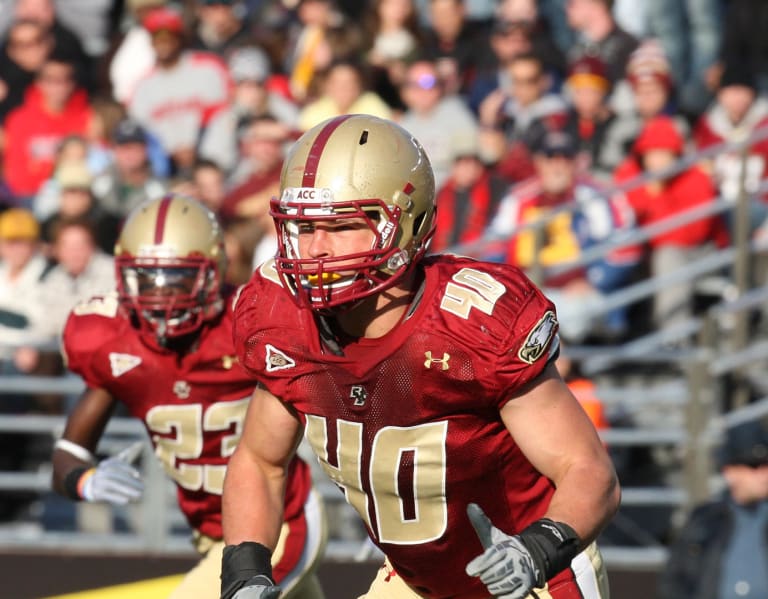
pixel 406 476
pixel 469 289
pixel 100 306
pixel 185 425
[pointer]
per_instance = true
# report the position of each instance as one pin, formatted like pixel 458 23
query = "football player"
pixel 426 385
pixel 162 345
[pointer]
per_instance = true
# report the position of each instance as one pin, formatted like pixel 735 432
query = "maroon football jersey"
pixel 408 424
pixel 192 405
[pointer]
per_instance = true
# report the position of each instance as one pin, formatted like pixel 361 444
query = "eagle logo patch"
pixel 277 360
pixel 538 339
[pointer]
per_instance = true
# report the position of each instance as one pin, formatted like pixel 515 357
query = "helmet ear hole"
pixel 363 138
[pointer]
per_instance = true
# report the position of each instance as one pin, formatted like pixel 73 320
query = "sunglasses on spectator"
pixel 425 81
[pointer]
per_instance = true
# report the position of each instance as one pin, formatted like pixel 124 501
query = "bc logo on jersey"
pixel 538 339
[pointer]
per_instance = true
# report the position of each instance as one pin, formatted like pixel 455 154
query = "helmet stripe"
pixel 316 151
pixel 162 215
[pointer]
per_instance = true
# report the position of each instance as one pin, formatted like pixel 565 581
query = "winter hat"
pixel 659 133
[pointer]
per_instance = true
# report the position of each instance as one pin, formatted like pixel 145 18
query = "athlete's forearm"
pixel 586 498
pixel 252 505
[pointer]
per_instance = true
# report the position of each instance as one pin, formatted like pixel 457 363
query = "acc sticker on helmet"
pixel 538 339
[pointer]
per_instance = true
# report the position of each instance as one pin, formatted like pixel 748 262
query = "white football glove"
pixel 506 567
pixel 114 480
pixel 258 587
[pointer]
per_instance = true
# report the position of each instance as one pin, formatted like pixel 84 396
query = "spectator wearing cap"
pixel 574 213
pixel 22 266
pixel 76 201
pixel 737 112
pixel 129 180
pixel 132 55
pixel 54 107
pixel 659 145
pixel 23 334
pixel 690 32
pixel 220 27
pixel 439 120
pixel 590 120
pixel 598 35
pixel 645 93
pixel 170 101
pixel 345 90
pixel 257 88
pixel 722 548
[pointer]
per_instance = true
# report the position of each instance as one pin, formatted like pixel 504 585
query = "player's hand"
pixel 114 480
pixel 506 567
pixel 258 587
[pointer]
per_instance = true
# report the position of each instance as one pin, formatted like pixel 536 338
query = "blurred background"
pixel 615 150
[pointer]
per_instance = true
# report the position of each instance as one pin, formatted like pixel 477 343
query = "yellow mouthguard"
pixel 327 277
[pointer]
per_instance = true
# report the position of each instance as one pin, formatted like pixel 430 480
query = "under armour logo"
pixel 442 361
pixel 359 395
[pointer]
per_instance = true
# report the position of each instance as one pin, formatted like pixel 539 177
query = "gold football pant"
pixel 203 581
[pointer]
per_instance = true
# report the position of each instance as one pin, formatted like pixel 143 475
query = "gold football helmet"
pixel 354 166
pixel 170 264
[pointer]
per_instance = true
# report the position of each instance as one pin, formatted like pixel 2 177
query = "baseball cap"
pixel 129 131
pixel 18 224
pixel 556 143
pixel 73 175
pixel 163 19
pixel 588 71
pixel 249 64
pixel 746 444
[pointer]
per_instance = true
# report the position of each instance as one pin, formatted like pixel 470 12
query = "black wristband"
pixel 240 563
pixel 552 545
pixel 71 480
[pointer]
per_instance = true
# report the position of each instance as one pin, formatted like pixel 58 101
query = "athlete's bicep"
pixel 550 426
pixel 271 431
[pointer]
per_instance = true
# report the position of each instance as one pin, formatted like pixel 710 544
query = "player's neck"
pixel 378 315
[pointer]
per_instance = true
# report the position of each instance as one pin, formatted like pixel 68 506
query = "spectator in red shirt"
pixel 658 147
pixel 54 107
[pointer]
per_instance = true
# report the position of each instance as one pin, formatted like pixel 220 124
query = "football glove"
pixel 258 587
pixel 506 567
pixel 113 480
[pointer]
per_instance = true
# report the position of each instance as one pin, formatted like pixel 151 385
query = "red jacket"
pixel 688 189
pixel 33 135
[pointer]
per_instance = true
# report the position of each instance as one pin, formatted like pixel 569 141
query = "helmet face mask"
pixel 170 263
pixel 366 172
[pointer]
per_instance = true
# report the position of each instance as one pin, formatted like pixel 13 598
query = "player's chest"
pixel 143 379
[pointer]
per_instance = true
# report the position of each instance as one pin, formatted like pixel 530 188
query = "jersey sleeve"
pixel 90 325
pixel 530 339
